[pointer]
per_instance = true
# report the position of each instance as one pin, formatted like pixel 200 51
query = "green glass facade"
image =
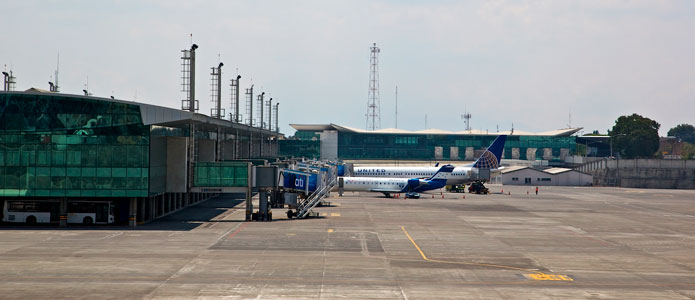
pixel 221 174
pixel 357 146
pixel 299 148
pixel 523 143
pixel 307 136
pixel 60 146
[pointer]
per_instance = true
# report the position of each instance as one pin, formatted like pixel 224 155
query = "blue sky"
pixel 523 62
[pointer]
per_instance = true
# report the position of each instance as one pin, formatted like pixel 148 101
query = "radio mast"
pixel 373 111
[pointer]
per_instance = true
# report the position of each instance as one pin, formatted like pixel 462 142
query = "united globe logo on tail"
pixel 492 156
pixel 487 161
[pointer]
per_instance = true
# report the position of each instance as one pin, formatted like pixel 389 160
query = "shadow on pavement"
pixel 197 215
pixel 184 220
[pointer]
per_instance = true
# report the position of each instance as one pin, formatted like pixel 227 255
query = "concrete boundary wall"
pixel 642 173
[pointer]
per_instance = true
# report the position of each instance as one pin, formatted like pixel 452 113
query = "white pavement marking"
pixel 113 235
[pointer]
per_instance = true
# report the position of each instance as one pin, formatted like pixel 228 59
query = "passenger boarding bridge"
pixel 299 184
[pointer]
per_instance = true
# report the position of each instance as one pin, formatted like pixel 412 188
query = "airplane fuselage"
pixel 397 185
pixel 489 160
pixel 389 185
pixel 368 184
pixel 458 176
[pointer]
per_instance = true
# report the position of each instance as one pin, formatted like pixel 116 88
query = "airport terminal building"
pixel 331 141
pixel 146 160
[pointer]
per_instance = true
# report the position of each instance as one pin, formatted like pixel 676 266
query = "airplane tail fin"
pixel 492 156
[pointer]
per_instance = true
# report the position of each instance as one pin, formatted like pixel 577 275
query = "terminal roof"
pixel 322 127
pixel 170 117
pixel 552 171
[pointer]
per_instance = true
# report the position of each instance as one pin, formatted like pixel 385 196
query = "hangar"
pixel 524 175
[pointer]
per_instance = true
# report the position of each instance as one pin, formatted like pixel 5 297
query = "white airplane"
pixel 397 185
pixel 490 159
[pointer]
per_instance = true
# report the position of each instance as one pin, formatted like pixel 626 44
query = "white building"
pixel 524 175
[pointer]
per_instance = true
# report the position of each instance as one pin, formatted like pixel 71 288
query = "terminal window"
pixel 62 146
pixel 406 140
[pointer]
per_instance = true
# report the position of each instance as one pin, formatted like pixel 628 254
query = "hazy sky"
pixel 523 62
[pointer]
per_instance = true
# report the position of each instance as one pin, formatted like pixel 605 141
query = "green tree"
pixel 635 136
pixel 684 132
pixel 580 149
pixel 688 151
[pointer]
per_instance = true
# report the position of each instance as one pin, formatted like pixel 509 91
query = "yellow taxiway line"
pixel 537 276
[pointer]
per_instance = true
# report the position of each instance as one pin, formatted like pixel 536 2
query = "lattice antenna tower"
pixel 235 99
pixel 216 91
pixel 373 110
pixel 467 120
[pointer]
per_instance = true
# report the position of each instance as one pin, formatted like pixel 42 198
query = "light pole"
pixel 5 85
